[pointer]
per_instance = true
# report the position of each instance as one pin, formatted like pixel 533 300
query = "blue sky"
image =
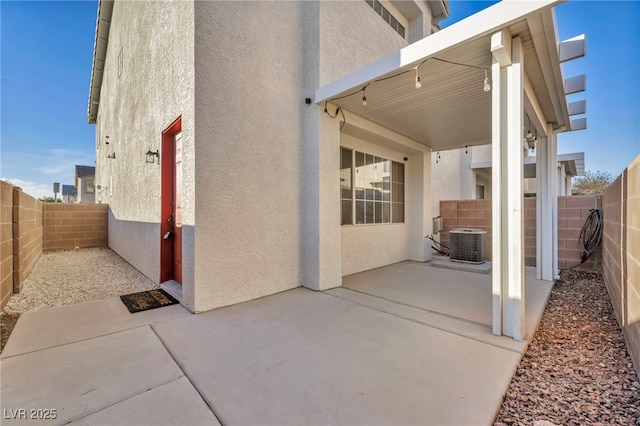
pixel 45 68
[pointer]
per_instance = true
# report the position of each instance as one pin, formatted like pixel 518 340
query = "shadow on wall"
pixel 621 254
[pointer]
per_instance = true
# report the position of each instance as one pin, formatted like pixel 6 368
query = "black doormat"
pixel 145 300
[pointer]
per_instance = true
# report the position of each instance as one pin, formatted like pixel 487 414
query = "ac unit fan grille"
pixel 468 245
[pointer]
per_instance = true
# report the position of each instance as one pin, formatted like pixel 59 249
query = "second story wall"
pixel 148 82
pixel 351 35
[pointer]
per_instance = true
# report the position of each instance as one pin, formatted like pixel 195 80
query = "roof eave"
pixel 103 23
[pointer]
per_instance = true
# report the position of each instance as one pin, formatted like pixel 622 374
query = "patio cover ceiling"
pixel 451 110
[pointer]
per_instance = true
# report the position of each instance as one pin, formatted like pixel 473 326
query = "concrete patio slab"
pixel 469 329
pixel 375 355
pixel 152 408
pixel 46 328
pixel 83 378
pixel 409 282
pixel 458 294
pixel 302 357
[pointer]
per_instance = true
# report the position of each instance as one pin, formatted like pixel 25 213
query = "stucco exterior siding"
pixel 148 82
pixel 339 38
pixel 352 35
pixel 369 246
pixel 248 104
pixel 261 200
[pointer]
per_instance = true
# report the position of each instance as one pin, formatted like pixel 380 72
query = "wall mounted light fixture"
pixel 149 156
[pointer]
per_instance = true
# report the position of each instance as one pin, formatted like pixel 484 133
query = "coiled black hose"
pixel 591 234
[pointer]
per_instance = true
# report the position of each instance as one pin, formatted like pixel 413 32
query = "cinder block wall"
pixel 6 243
pixel 572 213
pixel 27 236
pixel 28 227
pixel 465 214
pixel 530 231
pixel 621 254
pixel 70 226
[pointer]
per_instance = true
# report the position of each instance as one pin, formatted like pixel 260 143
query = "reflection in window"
pixel 377 186
pixel 346 193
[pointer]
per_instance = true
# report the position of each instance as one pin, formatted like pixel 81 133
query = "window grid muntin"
pixel 373 180
pixel 387 16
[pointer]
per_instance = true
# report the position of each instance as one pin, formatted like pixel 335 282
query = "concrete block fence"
pixel 28 227
pixel 621 254
pixel 572 213
pixel 70 226
pixel 6 242
pixel 27 236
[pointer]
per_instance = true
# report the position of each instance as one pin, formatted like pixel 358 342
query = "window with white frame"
pixel 371 189
pixel 387 16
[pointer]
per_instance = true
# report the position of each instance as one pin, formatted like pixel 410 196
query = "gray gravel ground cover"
pixel 577 370
pixel 69 277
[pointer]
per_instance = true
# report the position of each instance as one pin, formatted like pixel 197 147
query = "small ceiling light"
pixel 418 84
pixel 364 97
pixel 487 83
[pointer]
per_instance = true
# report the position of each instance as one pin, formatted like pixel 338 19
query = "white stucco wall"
pixel 148 82
pixel 260 166
pixel 339 38
pixel 352 35
pixel 445 178
pixel 84 195
pixel 248 105
pixel 369 246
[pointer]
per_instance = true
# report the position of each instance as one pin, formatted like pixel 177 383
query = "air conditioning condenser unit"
pixel 468 245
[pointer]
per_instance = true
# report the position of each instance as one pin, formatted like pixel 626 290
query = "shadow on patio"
pixel 450 300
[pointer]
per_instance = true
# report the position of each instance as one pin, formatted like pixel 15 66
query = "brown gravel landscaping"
pixel 69 277
pixel 577 370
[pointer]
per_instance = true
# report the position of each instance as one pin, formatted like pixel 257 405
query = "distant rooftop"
pixel 69 190
pixel 85 171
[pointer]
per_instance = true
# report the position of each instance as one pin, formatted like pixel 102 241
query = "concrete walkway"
pixel 346 356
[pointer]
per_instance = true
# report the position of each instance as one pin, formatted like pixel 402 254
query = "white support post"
pixel 496 193
pixel 552 161
pixel 545 173
pixel 514 321
pixel 508 218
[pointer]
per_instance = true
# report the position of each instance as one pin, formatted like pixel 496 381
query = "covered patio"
pixel 492 78
pixel 454 301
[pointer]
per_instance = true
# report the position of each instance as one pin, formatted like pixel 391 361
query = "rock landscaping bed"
pixel 577 370
pixel 69 277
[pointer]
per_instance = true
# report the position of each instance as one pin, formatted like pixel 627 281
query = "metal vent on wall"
pixel 468 245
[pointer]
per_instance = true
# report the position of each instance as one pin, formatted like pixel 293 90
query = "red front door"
pixel 171 204
pixel 177 208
